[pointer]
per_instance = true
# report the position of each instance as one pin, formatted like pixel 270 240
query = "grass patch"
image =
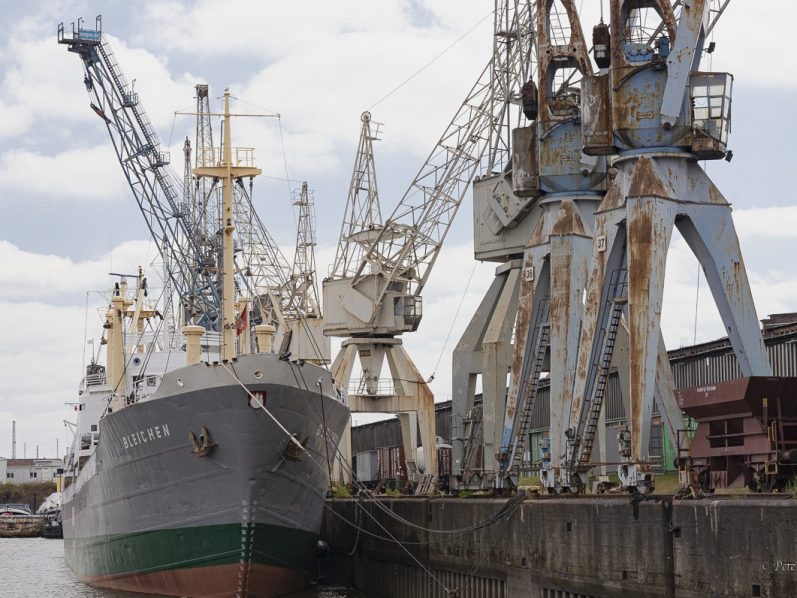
pixel 791 487
pixel 340 490
pixel 667 483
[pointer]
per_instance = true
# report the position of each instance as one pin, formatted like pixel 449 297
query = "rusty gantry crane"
pixel 535 218
pixel 659 115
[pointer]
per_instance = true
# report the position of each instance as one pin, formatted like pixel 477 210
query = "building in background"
pixel 23 471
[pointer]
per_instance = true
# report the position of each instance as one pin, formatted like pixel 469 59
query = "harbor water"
pixel 35 568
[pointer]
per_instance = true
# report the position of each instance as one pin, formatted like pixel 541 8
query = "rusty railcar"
pixel 746 433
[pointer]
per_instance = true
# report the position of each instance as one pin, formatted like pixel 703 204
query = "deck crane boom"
pixel 381 300
pixel 156 188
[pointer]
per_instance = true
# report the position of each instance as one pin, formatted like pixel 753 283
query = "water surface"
pixel 35 568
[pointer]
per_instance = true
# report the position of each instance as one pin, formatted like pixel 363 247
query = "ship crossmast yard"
pixel 277 297
pixel 382 299
pixel 228 171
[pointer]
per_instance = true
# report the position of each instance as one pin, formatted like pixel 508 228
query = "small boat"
pixel 17 521
pixel 50 509
pixel 53 527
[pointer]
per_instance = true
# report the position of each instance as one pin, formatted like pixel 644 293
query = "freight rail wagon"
pixel 746 433
pixel 387 466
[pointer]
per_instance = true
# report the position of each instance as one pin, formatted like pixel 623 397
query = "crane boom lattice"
pixel 155 187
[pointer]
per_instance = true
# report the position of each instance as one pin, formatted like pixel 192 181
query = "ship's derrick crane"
pixel 303 273
pixel 262 272
pixel 661 115
pixel 156 188
pixel 382 298
pixel 300 300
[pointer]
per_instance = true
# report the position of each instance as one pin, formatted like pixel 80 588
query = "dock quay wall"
pixel 564 547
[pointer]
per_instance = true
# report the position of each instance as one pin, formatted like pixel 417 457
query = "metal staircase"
pixel 531 383
pixel 618 294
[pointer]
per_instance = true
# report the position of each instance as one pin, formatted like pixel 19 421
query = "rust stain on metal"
pixel 646 182
pixel 640 266
pixel 614 197
pixel 714 194
pixel 539 236
pixel 568 221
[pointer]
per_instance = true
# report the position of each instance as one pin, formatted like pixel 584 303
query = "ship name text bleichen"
pixel 145 436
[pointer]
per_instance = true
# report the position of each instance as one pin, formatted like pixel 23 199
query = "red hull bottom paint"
pixel 219 581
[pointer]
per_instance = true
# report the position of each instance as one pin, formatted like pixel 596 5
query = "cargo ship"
pixel 199 466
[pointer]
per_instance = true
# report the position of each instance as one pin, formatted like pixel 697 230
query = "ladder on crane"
pixel 527 398
pixel 618 300
pixel 474 442
pixel 155 187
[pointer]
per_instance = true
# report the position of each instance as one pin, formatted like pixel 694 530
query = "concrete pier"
pixel 567 547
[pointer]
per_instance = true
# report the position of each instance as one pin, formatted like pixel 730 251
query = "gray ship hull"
pixel 233 514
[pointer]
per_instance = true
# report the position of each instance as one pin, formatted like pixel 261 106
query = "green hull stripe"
pixel 164 550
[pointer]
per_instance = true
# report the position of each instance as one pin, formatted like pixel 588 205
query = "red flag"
pixel 242 322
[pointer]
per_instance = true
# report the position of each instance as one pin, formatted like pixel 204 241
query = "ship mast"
pixel 227 173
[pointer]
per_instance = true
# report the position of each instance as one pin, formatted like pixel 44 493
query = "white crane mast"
pixel 362 220
pixel 382 298
pixel 303 285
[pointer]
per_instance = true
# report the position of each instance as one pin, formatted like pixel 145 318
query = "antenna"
pixel 13 439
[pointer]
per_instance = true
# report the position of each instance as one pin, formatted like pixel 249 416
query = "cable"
pixel 505 510
pixel 432 61
pixel 453 323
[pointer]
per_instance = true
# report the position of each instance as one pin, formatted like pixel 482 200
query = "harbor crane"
pixel 658 115
pixel 545 203
pixel 155 187
pixel 550 172
pixel 380 299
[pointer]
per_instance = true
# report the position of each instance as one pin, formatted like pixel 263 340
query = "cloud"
pixel 33 276
pixel 39 372
pixel 768 222
pixel 272 30
pixel 80 174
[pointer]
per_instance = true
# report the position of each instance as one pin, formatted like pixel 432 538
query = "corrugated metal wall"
pixel 388 432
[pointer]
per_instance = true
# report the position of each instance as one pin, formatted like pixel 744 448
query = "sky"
pixel 67 218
